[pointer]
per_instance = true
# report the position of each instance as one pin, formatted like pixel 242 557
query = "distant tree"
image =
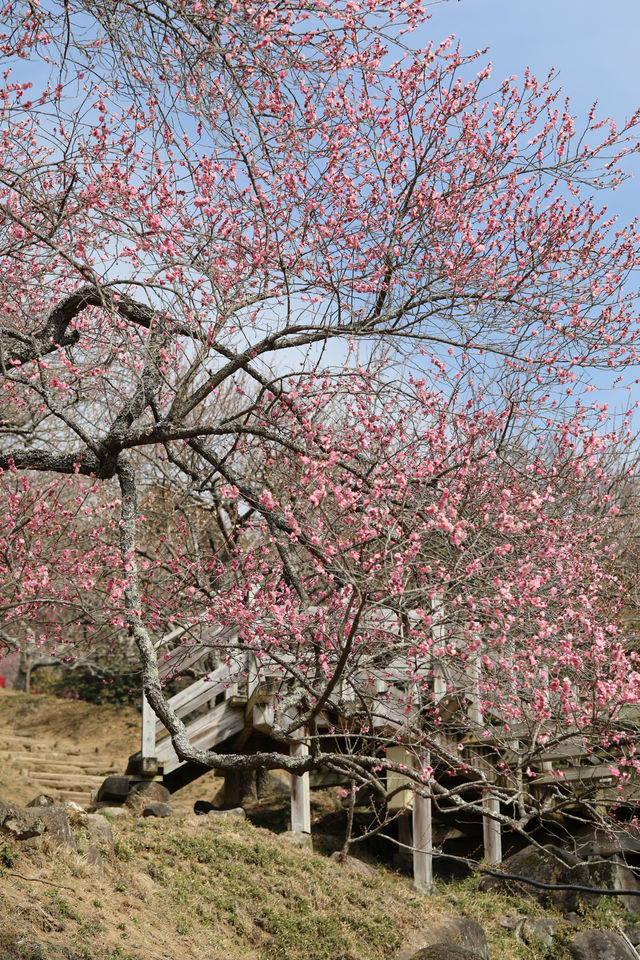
pixel 322 293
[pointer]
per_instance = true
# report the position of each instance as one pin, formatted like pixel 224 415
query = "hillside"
pixel 214 887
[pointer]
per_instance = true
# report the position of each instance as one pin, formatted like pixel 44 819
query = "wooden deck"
pixel 234 702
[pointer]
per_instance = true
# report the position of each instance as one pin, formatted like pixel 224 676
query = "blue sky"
pixel 594 44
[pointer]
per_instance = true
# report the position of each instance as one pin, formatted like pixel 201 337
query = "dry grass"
pixel 201 887
pixel 207 888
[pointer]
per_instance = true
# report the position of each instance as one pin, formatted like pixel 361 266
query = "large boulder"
pixel 19 824
pixel 147 791
pixel 551 865
pixel 592 842
pixel 113 790
pixel 93 859
pixel 23 823
pixel 107 810
pixel 100 831
pixel 353 864
pixel 57 827
pixel 155 809
pixel 462 932
pixel 236 813
pixel 600 945
pixel 614 874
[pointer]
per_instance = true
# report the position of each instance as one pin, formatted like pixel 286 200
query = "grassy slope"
pixel 207 888
pixel 199 887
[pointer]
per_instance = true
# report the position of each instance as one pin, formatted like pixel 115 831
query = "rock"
pixel 57 827
pixel 19 824
pixel 573 918
pixel 235 813
pixel 595 843
pixel 147 791
pixel 539 928
pixel 77 818
pixel 632 931
pixel 600 945
pixel 299 839
pixel 511 920
pixel 550 864
pixel 42 800
pixel 113 789
pixel 100 830
pixel 23 823
pixel 354 865
pixel 445 951
pixel 70 805
pixel 462 932
pixel 457 938
pixel 201 807
pixel 94 860
pixel 240 787
pixel 155 809
pixel 270 784
pixel 614 874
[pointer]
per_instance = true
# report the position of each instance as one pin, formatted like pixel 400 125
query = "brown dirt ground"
pixel 74 723
pixel 67 727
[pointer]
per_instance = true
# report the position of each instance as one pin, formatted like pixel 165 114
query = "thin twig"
pixel 62 886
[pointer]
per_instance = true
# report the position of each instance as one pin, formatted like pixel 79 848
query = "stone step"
pixel 41 764
pixel 64 776
pixel 47 756
pixel 44 763
pixel 27 743
pixel 78 780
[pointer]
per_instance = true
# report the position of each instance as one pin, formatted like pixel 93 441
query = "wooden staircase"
pixel 64 773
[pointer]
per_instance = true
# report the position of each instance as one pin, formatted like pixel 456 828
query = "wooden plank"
pixel 300 795
pixel 188 654
pixel 180 658
pixel 200 693
pixel 216 717
pixel 584 774
pixel 216 677
pixel 204 733
pixel 491 830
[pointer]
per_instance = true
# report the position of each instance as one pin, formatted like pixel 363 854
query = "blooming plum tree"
pixel 215 216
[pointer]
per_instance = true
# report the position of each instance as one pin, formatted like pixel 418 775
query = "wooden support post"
pixel 251 668
pixel 148 729
pixel 474 674
pixel 422 842
pixel 148 762
pixel 491 830
pixel 439 634
pixel 300 796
